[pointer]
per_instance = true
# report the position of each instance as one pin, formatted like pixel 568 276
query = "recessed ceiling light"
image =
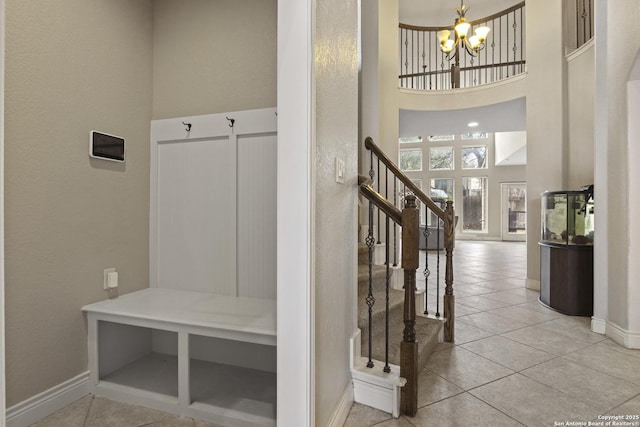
pixel 472 124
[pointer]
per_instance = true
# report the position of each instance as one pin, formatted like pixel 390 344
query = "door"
pixel 514 211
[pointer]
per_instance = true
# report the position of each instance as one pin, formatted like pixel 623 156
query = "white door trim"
pixel 2 380
pixel 295 207
pixel 504 222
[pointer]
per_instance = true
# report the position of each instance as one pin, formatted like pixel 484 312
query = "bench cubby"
pixel 199 355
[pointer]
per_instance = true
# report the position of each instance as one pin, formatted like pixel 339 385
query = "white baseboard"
pixel 599 326
pixel 49 401
pixel 623 337
pixel 532 284
pixel 341 412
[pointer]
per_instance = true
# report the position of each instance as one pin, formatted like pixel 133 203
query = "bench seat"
pixel 154 347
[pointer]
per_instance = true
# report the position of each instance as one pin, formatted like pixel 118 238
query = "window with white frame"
pixel 441 158
pixel 441 190
pixel 411 160
pixel 410 140
pixel 475 209
pixel 437 138
pixel 474 157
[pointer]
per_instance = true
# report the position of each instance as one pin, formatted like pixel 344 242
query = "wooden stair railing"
pixel 409 220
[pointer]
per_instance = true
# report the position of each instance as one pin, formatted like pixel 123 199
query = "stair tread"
pixel 396 302
pixel 427 331
pixel 378 272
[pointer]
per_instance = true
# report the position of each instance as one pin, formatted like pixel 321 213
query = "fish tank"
pixel 568 217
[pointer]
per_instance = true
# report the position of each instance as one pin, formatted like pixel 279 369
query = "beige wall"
pixel 546 128
pixel 71 66
pixel 580 87
pixel 622 44
pixel 213 56
pixel 336 204
pixel 75 66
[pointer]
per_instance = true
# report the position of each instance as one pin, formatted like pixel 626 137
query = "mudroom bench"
pixel 200 355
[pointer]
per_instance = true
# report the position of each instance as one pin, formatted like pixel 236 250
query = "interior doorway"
pixel 513 207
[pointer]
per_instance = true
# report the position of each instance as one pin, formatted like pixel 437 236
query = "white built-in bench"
pixel 199 355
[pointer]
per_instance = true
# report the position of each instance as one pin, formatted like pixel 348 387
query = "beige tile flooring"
pixel 514 361
pixel 93 411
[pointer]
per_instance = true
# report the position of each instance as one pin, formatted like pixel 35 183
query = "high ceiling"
pixel 504 117
pixel 435 13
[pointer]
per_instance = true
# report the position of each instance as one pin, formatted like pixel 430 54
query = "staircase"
pixel 394 341
pixel 427 329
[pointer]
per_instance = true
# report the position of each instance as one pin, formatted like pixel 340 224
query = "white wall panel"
pixel 257 158
pixel 200 177
pixel 196 220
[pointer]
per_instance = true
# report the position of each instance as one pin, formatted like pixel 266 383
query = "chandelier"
pixel 473 44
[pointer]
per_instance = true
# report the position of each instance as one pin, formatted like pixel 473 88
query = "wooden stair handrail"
pixel 378 199
pixel 370 145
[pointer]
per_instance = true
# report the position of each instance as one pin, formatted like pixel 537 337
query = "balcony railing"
pixel 423 66
pixel 584 21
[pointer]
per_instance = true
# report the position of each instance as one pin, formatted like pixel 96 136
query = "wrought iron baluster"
pixel 395 235
pixel 386 315
pixel 426 271
pixel 370 300
pixel 378 182
pixel 438 269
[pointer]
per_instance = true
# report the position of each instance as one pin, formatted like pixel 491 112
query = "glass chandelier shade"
pixel 472 44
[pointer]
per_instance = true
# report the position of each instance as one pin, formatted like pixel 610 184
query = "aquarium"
pixel 567 217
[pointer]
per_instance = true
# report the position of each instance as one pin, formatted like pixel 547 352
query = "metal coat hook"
pixel 188 126
pixel 231 121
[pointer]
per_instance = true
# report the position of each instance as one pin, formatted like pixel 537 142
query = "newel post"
pixel 409 345
pixel 449 299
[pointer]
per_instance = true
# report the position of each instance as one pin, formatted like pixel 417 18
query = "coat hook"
pixel 188 126
pixel 231 121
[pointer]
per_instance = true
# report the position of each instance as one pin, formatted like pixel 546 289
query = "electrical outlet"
pixel 106 278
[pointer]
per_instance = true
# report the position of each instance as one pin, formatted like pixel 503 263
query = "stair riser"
pixel 379 281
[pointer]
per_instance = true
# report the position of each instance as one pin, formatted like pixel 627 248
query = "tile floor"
pixel 93 411
pixel 515 362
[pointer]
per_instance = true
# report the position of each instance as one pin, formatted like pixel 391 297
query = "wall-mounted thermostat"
pixel 106 147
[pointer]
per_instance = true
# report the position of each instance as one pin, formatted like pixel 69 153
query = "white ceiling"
pixel 504 117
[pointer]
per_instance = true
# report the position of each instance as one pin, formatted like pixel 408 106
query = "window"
pixel 410 139
pixel 474 157
pixel 441 190
pixel 441 158
pixel 437 138
pixel 474 135
pixel 474 204
pixel 410 160
pixel 418 183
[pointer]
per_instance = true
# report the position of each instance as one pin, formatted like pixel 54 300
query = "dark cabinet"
pixel 566 252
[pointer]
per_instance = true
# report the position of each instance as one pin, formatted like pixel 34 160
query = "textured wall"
pixel 71 66
pixel 580 82
pixel 213 56
pixel 336 66
pixel 623 43
pixel 546 117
